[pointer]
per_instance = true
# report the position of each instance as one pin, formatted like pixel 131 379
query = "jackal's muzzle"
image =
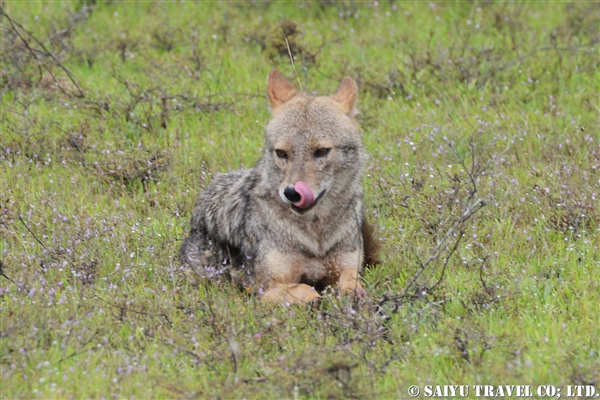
pixel 301 197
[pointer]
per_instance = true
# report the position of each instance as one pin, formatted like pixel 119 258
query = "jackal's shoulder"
pixel 224 185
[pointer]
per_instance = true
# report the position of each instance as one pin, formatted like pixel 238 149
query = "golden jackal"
pixel 295 220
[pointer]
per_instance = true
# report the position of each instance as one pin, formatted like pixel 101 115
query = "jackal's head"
pixel 314 150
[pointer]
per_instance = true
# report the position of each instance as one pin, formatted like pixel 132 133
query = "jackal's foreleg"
pixel 348 265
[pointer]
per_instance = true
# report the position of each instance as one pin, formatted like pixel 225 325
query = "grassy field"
pixel 115 116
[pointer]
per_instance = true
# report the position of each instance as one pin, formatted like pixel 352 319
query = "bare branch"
pixel 32 234
pixel 467 213
pixel 14 26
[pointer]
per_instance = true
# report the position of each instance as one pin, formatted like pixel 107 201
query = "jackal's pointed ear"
pixel 346 96
pixel 279 89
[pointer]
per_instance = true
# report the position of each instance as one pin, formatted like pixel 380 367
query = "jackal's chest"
pixel 316 240
pixel 297 267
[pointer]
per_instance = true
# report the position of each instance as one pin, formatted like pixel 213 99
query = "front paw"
pixel 349 284
pixel 354 291
pixel 298 293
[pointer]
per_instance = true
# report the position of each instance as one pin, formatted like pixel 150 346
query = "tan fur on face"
pixel 301 165
pixel 300 127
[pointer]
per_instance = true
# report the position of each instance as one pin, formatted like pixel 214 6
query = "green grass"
pixel 97 191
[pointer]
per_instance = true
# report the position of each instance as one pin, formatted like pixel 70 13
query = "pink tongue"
pixel 307 196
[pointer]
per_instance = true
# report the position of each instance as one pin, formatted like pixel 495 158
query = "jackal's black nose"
pixel 291 194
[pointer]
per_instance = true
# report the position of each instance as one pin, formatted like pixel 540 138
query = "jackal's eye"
pixel 281 154
pixel 322 152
